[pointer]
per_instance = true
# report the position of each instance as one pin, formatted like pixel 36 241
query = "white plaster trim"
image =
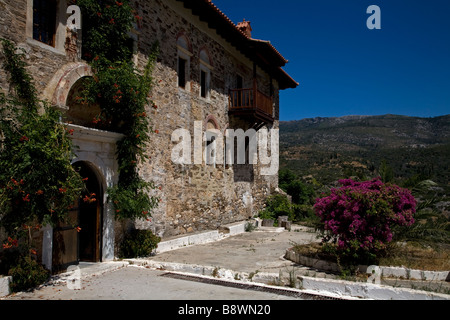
pixel 96 135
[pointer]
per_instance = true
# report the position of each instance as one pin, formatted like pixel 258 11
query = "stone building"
pixel 210 71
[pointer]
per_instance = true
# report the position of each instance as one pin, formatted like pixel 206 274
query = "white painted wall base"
pixel 367 290
pixel 4 286
pixel 184 241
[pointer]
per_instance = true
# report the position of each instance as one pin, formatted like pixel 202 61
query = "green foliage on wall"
pixel 122 92
pixel 37 181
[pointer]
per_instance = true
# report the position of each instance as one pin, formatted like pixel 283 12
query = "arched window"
pixel 183 62
pixel 214 142
pixel 205 74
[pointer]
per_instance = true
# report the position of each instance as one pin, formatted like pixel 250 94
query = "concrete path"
pixel 248 265
pixel 246 252
pixel 139 283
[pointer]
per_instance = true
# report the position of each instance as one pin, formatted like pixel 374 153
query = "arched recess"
pixel 77 112
pixel 183 42
pixel 211 123
pixel 64 80
pixel 205 57
pixel 66 91
pixel 214 141
pixel 97 165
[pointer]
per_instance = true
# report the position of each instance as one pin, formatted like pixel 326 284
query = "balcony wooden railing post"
pixel 250 99
pixel 255 94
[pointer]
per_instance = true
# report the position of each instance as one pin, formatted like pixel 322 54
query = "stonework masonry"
pixel 196 198
pixel 193 197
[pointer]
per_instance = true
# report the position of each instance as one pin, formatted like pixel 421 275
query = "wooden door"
pixel 65 241
pixel 79 238
pixel 90 218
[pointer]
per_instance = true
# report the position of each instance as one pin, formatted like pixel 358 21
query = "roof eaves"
pixel 248 46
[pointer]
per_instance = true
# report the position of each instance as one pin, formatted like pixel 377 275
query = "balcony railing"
pixel 251 102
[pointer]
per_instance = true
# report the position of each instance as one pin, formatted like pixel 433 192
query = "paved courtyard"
pixel 165 276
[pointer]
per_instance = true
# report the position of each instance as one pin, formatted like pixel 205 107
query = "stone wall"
pixel 196 197
pixel 43 61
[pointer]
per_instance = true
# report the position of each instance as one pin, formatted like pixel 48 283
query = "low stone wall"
pixel 386 272
pixel 317 286
pixel 405 273
pixel 185 241
pixel 200 238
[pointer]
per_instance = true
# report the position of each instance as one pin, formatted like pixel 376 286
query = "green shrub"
pixel 249 227
pixel 138 243
pixel 27 274
pixel 302 212
pixel 276 206
pixel 37 180
pixel 301 193
pixel 8 259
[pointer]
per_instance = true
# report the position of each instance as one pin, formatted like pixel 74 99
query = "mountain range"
pixel 405 148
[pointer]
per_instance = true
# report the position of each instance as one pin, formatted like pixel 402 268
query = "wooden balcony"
pixel 251 103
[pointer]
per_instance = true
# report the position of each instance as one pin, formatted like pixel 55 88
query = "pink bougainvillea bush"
pixel 360 216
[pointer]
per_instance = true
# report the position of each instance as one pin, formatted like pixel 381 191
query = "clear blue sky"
pixel 346 69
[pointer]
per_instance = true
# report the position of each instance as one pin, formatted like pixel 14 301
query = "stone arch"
pixel 205 57
pixel 66 87
pixel 212 120
pixel 64 80
pixel 76 111
pixel 184 42
pixel 97 165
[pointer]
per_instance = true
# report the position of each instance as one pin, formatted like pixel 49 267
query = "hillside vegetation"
pixel 411 152
pixel 403 149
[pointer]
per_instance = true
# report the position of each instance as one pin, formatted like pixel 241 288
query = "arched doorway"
pixel 89 233
pixel 80 237
pixel 90 209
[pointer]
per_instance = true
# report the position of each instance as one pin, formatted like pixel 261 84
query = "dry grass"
pixel 416 256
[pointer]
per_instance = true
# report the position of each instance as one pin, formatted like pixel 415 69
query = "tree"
pixel 386 172
pixel 300 192
pixel 360 216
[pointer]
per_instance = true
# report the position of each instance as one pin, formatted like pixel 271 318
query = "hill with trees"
pixel 401 149
pixel 409 152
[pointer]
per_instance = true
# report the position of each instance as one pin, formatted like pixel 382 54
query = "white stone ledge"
pixel 188 240
pixel 235 228
pixel 386 272
pixel 4 286
pixel 324 287
pixel 367 290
